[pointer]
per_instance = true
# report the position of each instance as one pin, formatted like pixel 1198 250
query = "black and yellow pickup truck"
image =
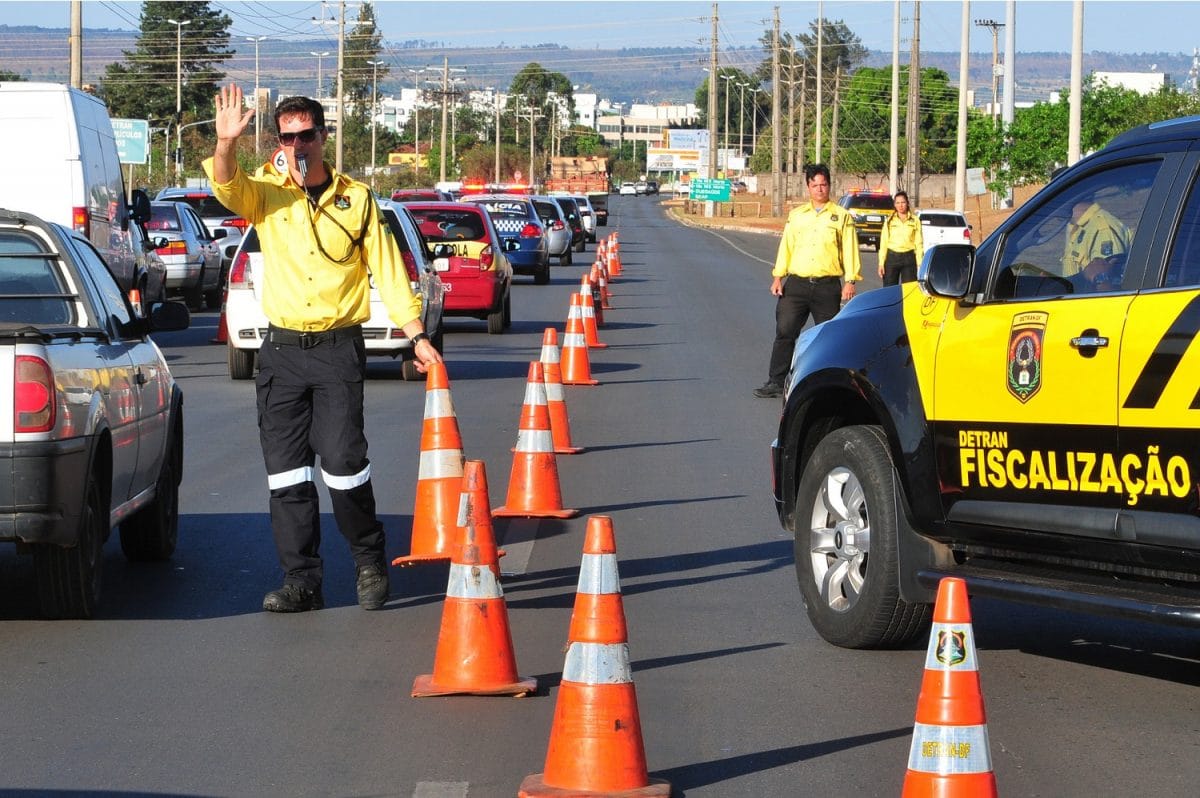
pixel 1025 416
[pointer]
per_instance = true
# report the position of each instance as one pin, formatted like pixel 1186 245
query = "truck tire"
pixel 542 275
pixel 241 362
pixel 495 319
pixel 68 579
pixel 150 534
pixel 565 259
pixel 846 542
pixel 194 295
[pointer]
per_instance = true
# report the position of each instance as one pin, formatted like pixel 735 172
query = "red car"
pixel 470 258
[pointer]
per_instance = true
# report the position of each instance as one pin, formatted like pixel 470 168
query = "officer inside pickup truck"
pixel 1096 245
pixel 321 231
pixel 819 248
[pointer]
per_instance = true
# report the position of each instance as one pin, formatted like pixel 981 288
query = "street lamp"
pixel 742 116
pixel 319 57
pixel 995 26
pixel 726 78
pixel 374 110
pixel 257 110
pixel 178 88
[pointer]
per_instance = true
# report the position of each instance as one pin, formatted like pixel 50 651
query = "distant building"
pixel 1141 82
pixel 647 123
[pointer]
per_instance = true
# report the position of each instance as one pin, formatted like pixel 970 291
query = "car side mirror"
pixel 169 317
pixel 139 206
pixel 946 270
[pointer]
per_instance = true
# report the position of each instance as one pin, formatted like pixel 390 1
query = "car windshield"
pixel 30 292
pixel 449 225
pixel 204 204
pixel 871 202
pixel 163 217
pixel 943 220
pixel 505 209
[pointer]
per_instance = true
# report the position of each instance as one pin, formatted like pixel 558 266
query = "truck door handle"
pixel 1088 341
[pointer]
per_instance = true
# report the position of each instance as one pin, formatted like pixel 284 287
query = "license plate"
pixel 874 218
pixel 441 264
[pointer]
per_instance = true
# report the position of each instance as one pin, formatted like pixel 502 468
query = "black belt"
pixel 307 340
pixel 814 279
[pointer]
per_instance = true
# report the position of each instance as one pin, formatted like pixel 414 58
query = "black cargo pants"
pixel 820 297
pixel 310 403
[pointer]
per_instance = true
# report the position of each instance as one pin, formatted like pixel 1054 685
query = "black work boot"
pixel 294 598
pixel 769 390
pixel 372 586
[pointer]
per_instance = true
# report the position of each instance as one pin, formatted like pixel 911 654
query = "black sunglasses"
pixel 305 136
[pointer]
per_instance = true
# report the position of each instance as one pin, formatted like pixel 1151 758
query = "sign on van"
pixel 133 140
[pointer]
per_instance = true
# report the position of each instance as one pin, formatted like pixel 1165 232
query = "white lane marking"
pixel 519 536
pixel 739 249
pixel 441 789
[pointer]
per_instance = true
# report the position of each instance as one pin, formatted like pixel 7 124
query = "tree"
pixel 535 87
pixel 144 85
pixel 363 44
pixel 6 75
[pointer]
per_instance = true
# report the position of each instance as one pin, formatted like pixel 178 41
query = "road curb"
pixel 730 227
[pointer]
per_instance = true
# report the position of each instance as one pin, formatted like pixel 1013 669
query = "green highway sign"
pixel 704 188
pixel 133 140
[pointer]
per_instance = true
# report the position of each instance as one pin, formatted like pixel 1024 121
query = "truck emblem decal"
pixel 1160 367
pixel 1025 354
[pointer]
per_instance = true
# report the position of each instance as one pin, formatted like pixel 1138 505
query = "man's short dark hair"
pixel 305 106
pixel 811 170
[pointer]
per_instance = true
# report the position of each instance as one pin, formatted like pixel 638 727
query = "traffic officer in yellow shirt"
pixel 1096 243
pixel 819 249
pixel 901 245
pixel 320 233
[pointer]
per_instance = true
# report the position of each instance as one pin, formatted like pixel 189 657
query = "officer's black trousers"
pixel 900 267
pixel 820 297
pixel 310 403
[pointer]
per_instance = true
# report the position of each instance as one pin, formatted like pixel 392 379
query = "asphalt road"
pixel 183 686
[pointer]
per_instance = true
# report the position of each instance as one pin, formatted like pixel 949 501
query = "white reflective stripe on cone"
pixel 588 312
pixel 472 582
pixel 597 663
pixel 535 441
pixel 535 393
pixel 441 463
pixel 598 574
pixel 285 479
pixel 949 750
pixel 462 509
pixel 438 404
pixel 951 648
pixel 549 354
pixel 575 340
pixel 336 482
pixel 555 392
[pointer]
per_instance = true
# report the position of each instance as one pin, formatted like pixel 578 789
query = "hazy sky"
pixel 1119 26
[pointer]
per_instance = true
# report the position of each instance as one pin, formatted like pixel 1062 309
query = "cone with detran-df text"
pixel 599 278
pixel 475 651
pixel 576 366
pixel 556 398
pixel 950 756
pixel 533 487
pixel 596 745
pixel 589 285
pixel 587 313
pixel 439 475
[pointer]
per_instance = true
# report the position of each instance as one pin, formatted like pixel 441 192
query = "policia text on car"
pixel 321 232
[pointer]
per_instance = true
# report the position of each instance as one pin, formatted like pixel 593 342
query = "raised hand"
pixel 231 119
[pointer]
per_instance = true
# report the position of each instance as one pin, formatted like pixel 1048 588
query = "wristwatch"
pixel 418 338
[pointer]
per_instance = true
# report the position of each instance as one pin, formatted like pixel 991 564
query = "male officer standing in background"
pixel 321 232
pixel 818 249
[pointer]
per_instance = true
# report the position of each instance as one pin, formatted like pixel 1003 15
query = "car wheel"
pixel 581 246
pixel 565 259
pixel 507 311
pixel 68 579
pixel 212 298
pixel 151 533
pixel 241 362
pixel 542 275
pixel 846 543
pixel 495 319
pixel 193 295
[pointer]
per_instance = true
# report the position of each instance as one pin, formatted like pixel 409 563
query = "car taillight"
pixel 485 257
pixel 557 225
pixel 531 230
pixel 173 248
pixel 81 221
pixel 34 396
pixel 967 235
pixel 238 222
pixel 410 265
pixel 240 273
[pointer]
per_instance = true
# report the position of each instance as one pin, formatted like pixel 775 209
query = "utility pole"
pixel 833 126
pixel 820 76
pixel 496 102
pixel 1076 102
pixel 341 94
pixel 912 166
pixel 76 43
pixel 728 85
pixel 800 143
pixel 894 143
pixel 776 127
pixel 320 88
pixel 712 105
pixel 960 159
pixel 179 94
pixel 374 110
pixel 995 28
pixel 258 112
pixel 1009 68
pixel 445 97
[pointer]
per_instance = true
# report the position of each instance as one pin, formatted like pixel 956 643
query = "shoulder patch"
pixel 833 217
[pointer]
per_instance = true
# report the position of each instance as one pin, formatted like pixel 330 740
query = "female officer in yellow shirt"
pixel 900 245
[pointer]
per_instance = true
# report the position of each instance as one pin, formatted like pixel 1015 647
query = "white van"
pixel 63 166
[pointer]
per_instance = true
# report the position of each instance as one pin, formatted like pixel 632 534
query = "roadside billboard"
pixel 663 159
pixel 133 140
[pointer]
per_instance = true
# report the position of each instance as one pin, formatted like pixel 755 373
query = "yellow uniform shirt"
pixel 818 244
pixel 901 235
pixel 317 278
pixel 1097 234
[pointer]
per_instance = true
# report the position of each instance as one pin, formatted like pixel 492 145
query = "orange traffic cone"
pixel 600 280
pixel 614 257
pixel 439 477
pixel 587 312
pixel 222 334
pixel 576 368
pixel 596 738
pixel 602 250
pixel 533 488
pixel 950 756
pixel 475 651
pixel 556 400
pixel 589 286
